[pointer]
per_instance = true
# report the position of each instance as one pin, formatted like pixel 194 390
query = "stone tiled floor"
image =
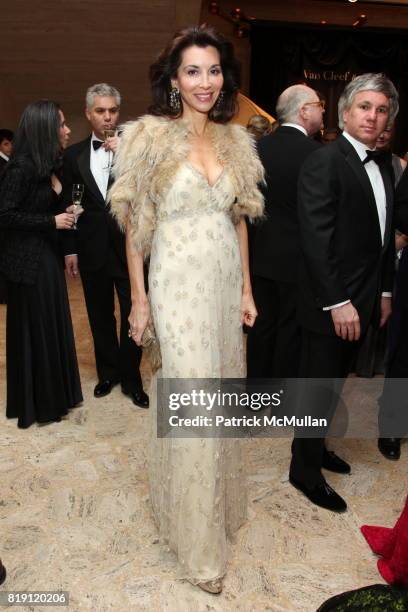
pixel 74 514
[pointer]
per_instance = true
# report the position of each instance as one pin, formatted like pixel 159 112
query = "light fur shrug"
pixel 150 152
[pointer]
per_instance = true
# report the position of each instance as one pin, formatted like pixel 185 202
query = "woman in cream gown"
pixel 185 178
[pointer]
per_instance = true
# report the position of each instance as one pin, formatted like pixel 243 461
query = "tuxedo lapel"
pixel 357 166
pixel 84 165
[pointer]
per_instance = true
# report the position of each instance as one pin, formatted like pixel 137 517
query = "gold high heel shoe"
pixel 212 586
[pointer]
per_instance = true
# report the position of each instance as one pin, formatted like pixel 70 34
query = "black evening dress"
pixel 42 370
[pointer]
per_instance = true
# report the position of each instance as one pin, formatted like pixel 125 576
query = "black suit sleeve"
pixel 317 211
pixel 14 190
pixel 388 272
pixel 401 204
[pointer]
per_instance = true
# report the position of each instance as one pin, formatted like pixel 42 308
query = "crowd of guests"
pixel 176 189
pixel 36 201
pixel 323 273
pixel 377 350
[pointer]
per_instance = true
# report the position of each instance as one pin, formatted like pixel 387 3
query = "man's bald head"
pixel 300 104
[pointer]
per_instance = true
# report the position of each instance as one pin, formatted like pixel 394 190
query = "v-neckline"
pixel 204 178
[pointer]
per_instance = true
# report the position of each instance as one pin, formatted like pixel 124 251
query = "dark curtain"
pixel 326 58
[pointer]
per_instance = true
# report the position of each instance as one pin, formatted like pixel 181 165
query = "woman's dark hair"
pixel 169 60
pixel 37 137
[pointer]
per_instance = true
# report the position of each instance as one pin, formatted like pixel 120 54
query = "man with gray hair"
pixel 97 248
pixel 347 266
pixel 273 347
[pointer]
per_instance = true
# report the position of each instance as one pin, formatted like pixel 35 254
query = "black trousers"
pixel 322 357
pixel 116 359
pixel 273 347
pixel 393 413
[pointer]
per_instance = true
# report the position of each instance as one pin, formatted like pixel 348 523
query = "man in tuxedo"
pixel 273 347
pixel 97 248
pixel 346 269
pixel 6 146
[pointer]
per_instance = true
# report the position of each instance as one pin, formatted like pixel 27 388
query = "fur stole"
pixel 150 152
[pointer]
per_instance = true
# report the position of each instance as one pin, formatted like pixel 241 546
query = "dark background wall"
pixel 334 12
pixel 327 60
pixel 57 48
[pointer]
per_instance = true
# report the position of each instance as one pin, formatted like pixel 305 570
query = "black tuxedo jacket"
pixel 342 254
pixel 97 231
pixel 275 242
pixel 3 164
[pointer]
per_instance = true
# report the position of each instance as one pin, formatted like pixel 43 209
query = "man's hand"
pixel 71 265
pixel 386 309
pixel 401 241
pixel 111 144
pixel 346 322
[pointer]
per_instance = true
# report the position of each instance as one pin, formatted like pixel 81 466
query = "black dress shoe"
pixel 3 573
pixel 322 495
pixel 139 397
pixel 104 388
pixel 333 463
pixel 390 448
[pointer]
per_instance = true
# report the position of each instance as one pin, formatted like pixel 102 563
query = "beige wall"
pixel 57 48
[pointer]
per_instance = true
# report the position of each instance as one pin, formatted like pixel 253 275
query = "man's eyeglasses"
pixel 320 103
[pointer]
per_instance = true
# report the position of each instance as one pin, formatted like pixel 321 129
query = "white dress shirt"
pixel 4 156
pixel 99 164
pixel 376 181
pixel 377 184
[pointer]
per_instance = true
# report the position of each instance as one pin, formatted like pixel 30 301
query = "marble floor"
pixel 74 513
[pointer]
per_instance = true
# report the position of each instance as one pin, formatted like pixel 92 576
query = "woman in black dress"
pixel 42 370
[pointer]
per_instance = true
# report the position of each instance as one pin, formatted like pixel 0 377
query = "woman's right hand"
pixel 64 220
pixel 138 320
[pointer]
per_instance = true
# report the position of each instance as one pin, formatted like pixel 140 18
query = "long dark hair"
pixel 37 137
pixel 165 68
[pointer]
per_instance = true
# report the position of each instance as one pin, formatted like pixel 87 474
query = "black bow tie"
pixel 378 157
pixel 98 143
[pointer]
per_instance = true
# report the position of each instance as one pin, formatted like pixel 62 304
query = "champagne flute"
pixel 109 133
pixel 77 193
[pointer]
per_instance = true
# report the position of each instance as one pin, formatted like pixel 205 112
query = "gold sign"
pixel 329 75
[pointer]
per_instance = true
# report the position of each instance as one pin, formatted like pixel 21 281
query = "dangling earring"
pixel 219 101
pixel 175 99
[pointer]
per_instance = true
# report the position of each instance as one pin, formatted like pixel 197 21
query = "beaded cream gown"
pixel 195 280
pixel 197 488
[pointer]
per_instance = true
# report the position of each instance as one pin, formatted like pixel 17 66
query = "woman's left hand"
pixel 248 310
